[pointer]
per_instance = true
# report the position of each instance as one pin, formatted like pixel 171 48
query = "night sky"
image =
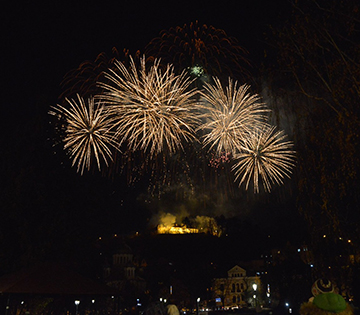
pixel 41 42
pixel 48 211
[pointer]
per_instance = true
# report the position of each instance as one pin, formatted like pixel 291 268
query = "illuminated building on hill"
pixel 166 229
pixel 170 224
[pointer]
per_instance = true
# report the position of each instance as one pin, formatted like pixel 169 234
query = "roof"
pixel 237 269
pixel 52 279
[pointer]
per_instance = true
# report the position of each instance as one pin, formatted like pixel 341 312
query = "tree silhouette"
pixel 319 55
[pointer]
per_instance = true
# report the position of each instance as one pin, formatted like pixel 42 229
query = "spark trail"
pixel 155 110
pixel 88 132
pixel 264 155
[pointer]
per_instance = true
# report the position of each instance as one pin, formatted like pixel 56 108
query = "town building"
pixel 237 290
pixel 124 272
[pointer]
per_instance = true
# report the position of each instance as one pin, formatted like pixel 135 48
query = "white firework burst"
pixel 88 132
pixel 230 115
pixel 155 110
pixel 265 155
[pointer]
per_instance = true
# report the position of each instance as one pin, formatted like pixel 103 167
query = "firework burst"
pixel 201 46
pixel 230 115
pixel 88 132
pixel 264 154
pixel 155 110
pixel 83 80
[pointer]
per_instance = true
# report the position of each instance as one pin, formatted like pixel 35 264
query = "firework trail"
pixel 83 80
pixel 264 155
pixel 201 46
pixel 88 132
pixel 155 110
pixel 230 116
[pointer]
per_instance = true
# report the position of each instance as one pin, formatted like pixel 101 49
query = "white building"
pixel 237 290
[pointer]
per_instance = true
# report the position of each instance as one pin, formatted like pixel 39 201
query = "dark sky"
pixel 47 210
pixel 41 42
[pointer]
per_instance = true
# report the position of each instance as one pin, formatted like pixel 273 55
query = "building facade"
pixel 124 272
pixel 237 290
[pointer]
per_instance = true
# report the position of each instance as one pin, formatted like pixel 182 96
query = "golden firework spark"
pixel 230 115
pixel 88 132
pixel 264 154
pixel 155 110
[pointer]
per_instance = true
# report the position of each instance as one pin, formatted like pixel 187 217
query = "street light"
pixel 197 305
pixel 77 302
pixel 288 307
pixel 254 296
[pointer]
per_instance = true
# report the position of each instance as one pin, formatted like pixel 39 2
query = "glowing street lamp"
pixel 288 307
pixel 77 302
pixel 254 296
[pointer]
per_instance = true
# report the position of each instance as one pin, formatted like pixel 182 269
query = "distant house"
pixel 237 290
pixel 124 271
